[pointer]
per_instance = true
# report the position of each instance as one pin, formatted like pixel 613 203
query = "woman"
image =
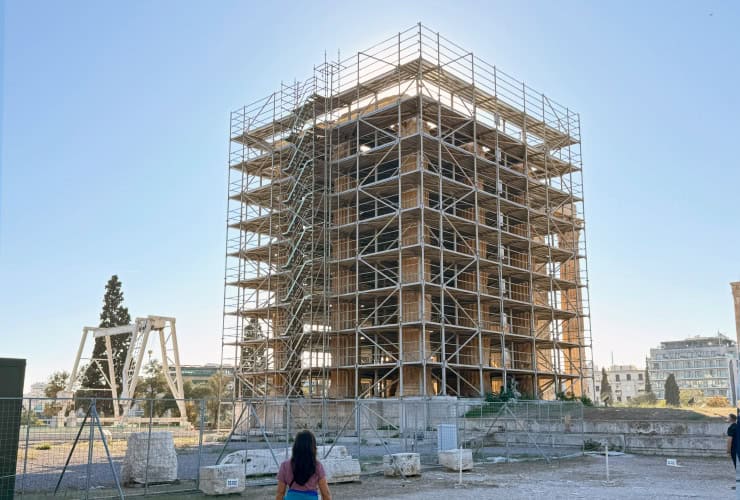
pixel 303 475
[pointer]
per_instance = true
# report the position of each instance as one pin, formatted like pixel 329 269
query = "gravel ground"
pixel 631 476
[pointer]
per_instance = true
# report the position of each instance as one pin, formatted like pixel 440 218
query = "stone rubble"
pixel 401 464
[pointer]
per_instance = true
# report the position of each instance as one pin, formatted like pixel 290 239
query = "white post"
pixel 459 464
pixel 606 453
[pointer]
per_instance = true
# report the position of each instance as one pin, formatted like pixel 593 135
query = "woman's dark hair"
pixel 303 461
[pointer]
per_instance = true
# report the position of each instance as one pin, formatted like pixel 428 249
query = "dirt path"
pixel 631 477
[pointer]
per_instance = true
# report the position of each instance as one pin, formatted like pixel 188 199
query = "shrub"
pixel 717 402
pixel 586 401
pixel 569 396
pixel 28 417
pixel 500 397
pixel 43 446
pixel 591 445
pixel 690 397
pixel 647 399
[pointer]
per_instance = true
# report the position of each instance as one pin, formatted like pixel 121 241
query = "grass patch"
pixel 483 410
pixel 43 446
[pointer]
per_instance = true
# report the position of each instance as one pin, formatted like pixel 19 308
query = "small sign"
pixel 671 462
pixel 232 483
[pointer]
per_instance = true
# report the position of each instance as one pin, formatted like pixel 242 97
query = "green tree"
pixel 28 417
pixel 606 388
pixel 648 385
pixel 672 393
pixel 649 396
pixel 153 388
pixel 113 314
pixel 221 386
pixel 56 383
pixel 194 393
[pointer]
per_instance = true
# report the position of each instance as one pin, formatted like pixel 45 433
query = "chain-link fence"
pixel 88 446
pixel 91 448
pixel 369 429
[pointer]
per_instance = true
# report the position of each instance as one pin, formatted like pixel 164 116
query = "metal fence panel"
pixel 77 445
pixel 262 430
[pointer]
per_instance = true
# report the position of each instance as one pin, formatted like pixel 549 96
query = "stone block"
pixel 255 462
pixel 261 462
pixel 341 470
pixel 453 459
pixel 221 479
pixel 401 464
pixel 161 467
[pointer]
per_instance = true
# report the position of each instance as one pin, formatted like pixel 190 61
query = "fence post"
pixel 91 437
pixel 358 428
pixel 148 446
pixel 287 428
pixel 415 409
pixel 402 423
pixel 200 439
pixel 583 430
pixel 462 442
pixel 25 450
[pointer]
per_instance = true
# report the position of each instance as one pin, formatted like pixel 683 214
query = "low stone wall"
pixel 661 437
pixel 675 438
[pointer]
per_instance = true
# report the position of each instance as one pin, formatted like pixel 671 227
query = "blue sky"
pixel 115 141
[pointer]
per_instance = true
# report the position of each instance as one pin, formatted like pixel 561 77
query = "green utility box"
pixel 12 373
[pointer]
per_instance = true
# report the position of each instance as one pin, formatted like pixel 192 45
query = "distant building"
pixel 199 374
pixel 627 382
pixel 697 363
pixel 38 391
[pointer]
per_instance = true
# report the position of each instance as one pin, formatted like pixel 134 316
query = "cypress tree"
pixel 648 385
pixel 672 394
pixel 649 395
pixel 113 314
pixel 606 388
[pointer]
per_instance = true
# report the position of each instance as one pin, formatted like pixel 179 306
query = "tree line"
pixel 671 390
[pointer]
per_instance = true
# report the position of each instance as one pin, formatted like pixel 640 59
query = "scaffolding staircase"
pixel 305 232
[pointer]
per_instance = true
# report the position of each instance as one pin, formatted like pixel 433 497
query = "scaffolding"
pixel 407 222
